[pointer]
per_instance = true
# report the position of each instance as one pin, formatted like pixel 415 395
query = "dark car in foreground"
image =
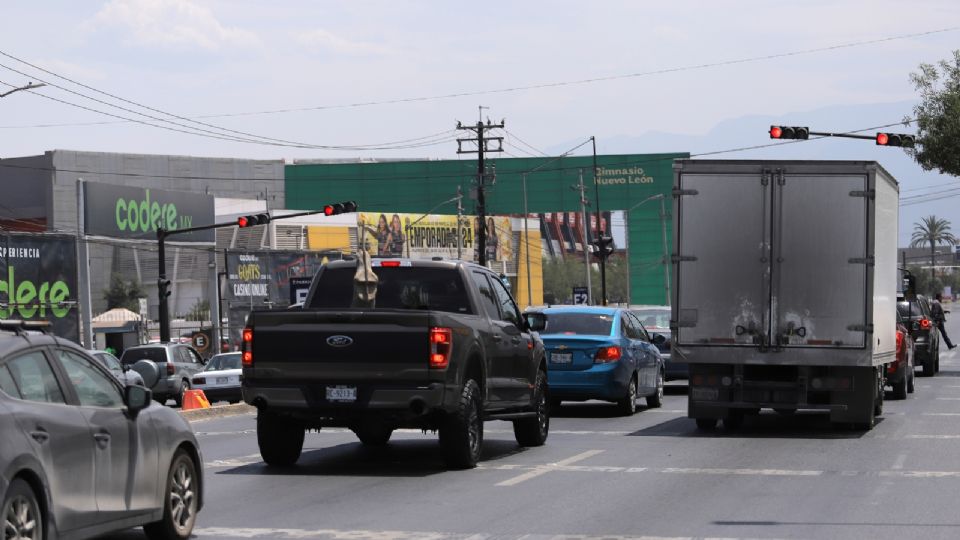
pixel 656 321
pixel 926 337
pixel 171 365
pixel 601 353
pixel 82 455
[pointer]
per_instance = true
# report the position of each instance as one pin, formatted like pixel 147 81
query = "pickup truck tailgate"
pixel 341 346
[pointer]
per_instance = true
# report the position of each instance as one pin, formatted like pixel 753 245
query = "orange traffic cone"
pixel 195 399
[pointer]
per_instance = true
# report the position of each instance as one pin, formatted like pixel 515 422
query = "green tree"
pixel 932 231
pixel 560 276
pixel 200 311
pixel 123 294
pixel 938 116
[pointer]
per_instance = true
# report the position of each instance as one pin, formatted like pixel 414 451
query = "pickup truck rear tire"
pixel 280 439
pixel 534 431
pixel 461 435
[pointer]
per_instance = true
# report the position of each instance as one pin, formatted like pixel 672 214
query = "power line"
pixel 557 84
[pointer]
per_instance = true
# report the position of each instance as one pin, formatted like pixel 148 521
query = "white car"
pixel 220 380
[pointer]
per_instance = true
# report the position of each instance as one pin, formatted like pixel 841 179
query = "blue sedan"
pixel 601 353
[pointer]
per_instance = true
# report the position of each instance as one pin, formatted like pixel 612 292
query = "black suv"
pixel 174 365
pixel 923 330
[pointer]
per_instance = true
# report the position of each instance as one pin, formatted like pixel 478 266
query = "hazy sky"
pixel 195 58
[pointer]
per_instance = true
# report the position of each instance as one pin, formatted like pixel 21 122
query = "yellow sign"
pixel 433 235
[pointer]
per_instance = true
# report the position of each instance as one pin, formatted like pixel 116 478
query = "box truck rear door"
pixel 819 271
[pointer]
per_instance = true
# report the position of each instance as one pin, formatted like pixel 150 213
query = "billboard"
pixel 136 213
pixel 38 281
pixel 419 236
pixel 262 279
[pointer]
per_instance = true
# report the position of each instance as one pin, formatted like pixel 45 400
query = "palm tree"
pixel 933 231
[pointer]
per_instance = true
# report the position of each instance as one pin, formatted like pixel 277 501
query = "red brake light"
pixel 441 347
pixel 246 359
pixel 607 354
pixel 390 264
pixel 899 341
pixel 925 323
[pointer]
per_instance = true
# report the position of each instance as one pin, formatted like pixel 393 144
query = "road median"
pixel 195 415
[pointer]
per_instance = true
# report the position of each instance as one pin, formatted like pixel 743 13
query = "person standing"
pixel 939 317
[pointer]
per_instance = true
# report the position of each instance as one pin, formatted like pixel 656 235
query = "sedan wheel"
pixel 628 405
pixel 180 504
pixel 21 513
pixel 656 399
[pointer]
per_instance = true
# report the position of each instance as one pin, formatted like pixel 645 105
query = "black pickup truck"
pixel 387 344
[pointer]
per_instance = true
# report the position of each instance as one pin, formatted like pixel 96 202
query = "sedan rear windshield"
pixel 589 324
pixel 907 309
pixel 156 354
pixel 402 287
pixel 224 361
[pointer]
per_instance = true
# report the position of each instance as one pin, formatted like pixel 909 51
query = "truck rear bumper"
pixel 313 398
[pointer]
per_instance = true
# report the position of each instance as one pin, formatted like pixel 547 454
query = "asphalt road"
pixel 601 476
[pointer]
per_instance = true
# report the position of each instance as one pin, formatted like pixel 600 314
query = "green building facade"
pixel 623 181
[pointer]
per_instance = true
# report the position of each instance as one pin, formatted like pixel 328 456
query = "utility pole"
pixel 586 242
pixel 459 226
pixel 481 141
pixel 600 231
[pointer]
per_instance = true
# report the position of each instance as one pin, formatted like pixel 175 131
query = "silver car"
pixel 172 365
pixel 83 455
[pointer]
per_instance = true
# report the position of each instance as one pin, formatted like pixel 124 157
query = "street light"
pixel 421 218
pixel 663 230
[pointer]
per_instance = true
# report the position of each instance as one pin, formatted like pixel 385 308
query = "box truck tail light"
pixel 925 323
pixel 606 355
pixel 441 346
pixel 247 357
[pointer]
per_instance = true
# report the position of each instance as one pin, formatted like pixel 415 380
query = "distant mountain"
pixel 750 131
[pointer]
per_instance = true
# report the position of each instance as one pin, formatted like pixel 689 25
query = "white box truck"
pixel 785 278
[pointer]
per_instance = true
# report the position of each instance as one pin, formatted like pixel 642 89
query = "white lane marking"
pixel 212 433
pixel 340 534
pixel 745 472
pixel 940 414
pixel 933 437
pixel 234 462
pixel 922 474
pixel 901 460
pixel 541 470
pixel 949 398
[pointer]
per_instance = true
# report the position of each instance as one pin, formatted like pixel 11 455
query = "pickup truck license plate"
pixel 561 358
pixel 341 393
pixel 223 380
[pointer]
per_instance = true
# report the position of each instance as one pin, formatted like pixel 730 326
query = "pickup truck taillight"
pixel 247 348
pixel 607 354
pixel 441 346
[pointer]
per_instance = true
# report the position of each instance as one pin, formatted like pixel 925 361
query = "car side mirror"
pixel 136 398
pixel 659 339
pixel 536 322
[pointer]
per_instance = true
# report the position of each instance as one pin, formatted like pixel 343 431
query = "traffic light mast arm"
pixel 162 234
pixel 844 135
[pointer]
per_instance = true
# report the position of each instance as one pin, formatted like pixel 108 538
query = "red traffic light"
pixel 789 132
pixel 340 208
pixel 883 139
pixel 250 221
pixel 896 139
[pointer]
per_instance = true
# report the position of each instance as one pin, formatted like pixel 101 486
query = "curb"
pixel 195 415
